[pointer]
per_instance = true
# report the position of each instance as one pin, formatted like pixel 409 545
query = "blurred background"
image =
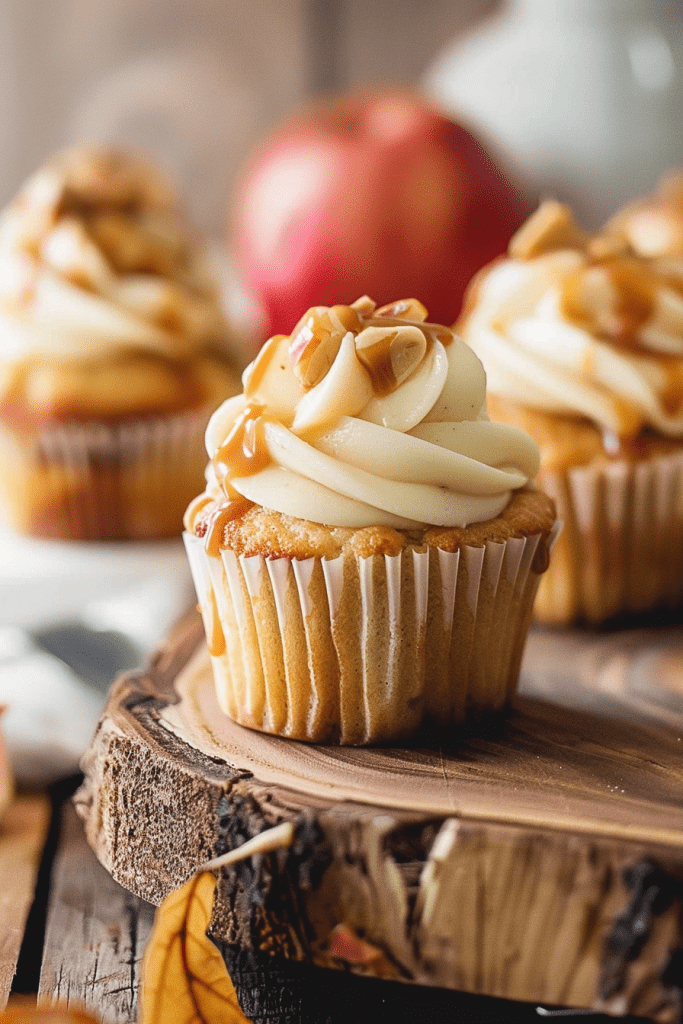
pixel 584 94
pixel 197 82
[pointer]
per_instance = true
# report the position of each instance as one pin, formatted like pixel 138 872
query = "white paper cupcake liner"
pixel 94 481
pixel 621 550
pixel 365 650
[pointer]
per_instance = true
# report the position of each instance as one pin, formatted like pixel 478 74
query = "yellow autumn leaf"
pixel 184 978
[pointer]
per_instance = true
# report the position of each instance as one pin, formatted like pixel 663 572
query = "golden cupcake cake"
pixel 582 340
pixel 368 547
pixel 113 352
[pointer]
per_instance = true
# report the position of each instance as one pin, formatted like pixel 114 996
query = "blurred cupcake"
pixel 368 548
pixel 112 352
pixel 582 340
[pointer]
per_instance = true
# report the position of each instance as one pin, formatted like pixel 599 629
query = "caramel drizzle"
pixel 432 332
pixel 377 358
pixel 635 283
pixel 259 367
pixel 672 396
pixel 194 511
pixel 630 420
pixel 219 519
pixel 377 361
pixel 541 559
pixel 244 453
pixel 245 449
pixel 215 637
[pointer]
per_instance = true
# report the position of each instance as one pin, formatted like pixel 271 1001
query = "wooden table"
pixel 69 932
pixel 67 929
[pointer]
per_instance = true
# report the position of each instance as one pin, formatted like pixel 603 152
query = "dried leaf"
pixel 184 978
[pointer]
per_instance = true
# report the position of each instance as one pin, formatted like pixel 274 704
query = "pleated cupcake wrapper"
pixel 622 546
pixel 89 480
pixel 364 650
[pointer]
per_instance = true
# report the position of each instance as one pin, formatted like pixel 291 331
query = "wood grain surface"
pixel 540 859
pixel 541 766
pixel 22 836
pixel 95 935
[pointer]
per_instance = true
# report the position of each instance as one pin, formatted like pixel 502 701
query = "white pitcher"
pixel 586 96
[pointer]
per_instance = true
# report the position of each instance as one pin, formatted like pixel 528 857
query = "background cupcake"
pixel 582 341
pixel 113 351
pixel 367 551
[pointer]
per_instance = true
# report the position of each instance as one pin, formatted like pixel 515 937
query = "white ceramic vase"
pixel 586 96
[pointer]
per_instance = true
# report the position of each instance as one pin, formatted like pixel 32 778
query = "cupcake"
pixel 113 352
pixel 582 340
pixel 368 547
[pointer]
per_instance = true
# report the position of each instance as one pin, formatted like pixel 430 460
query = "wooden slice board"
pixel 540 861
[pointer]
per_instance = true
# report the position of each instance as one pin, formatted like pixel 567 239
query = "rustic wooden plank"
pixel 543 766
pixel 22 836
pixel 95 935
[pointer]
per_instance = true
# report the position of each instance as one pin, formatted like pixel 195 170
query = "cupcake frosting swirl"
pixel 366 417
pixel 95 261
pixel 582 326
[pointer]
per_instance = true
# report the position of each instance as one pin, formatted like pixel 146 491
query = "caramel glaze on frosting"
pixel 107 305
pixel 362 418
pixel 653 226
pixel 582 340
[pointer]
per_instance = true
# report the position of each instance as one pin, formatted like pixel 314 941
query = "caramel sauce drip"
pixel 432 332
pixel 349 318
pixel 438 333
pixel 194 511
pixel 635 285
pixel 377 361
pixel 630 419
pixel 672 396
pixel 223 514
pixel 215 637
pixel 244 451
pixel 541 559
pixel 260 365
pixel 674 282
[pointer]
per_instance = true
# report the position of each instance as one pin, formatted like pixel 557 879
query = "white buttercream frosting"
pixel 349 448
pixel 95 260
pixel 592 330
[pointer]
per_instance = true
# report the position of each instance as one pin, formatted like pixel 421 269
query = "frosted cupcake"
pixel 368 547
pixel 113 352
pixel 582 340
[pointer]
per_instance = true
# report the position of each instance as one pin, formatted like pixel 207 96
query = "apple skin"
pixel 376 194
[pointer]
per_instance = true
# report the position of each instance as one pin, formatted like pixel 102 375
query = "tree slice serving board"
pixel 541 860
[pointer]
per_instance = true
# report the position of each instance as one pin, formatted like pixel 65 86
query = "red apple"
pixel 378 194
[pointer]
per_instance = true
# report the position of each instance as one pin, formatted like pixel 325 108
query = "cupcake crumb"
pixel 272 534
